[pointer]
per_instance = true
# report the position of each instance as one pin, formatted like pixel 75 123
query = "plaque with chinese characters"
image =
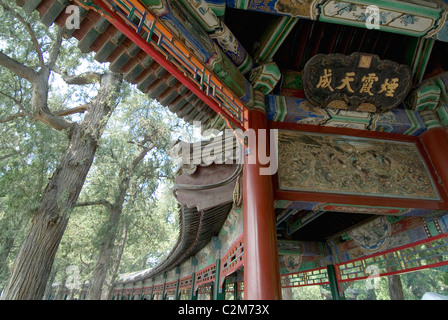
pixel 360 82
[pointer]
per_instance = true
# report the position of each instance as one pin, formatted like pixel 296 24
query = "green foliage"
pixel 153 232
pixel 30 152
pixel 311 293
pixel 150 209
pixel 414 285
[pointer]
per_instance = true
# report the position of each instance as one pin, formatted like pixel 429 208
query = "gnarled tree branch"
pixel 29 30
pixel 54 52
pixel 17 68
pixel 89 77
pixel 105 203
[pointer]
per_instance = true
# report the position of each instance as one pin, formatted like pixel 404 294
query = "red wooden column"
pixel 261 261
pixel 435 141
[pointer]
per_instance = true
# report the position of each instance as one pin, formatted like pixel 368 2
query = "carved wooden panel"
pixel 352 165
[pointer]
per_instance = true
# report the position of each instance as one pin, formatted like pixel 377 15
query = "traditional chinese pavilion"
pixel 356 91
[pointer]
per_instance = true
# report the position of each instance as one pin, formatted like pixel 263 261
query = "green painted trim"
pixel 432 228
pixel 242 4
pixel 176 294
pixel 443 89
pixel 274 37
pixel 417 55
pixel 193 295
pixel 415 124
pixel 163 291
pixel 424 58
pixel 402 210
pixel 246 65
pixel 281 109
pixel 432 124
pixel 152 290
pixel 218 293
pixel 154 4
pixel 334 288
pixel 442 113
pixel 411 52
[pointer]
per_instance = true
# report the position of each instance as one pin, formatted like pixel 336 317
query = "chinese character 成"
pixel 325 80
pixel 389 87
pixel 367 83
pixel 346 81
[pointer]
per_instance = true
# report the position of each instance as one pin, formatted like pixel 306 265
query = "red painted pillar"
pixel 435 141
pixel 261 261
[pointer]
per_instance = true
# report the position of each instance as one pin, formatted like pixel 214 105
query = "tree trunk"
pixel 62 290
pixel 102 265
pixel 35 258
pixel 395 288
pixel 47 291
pixel 108 288
pixel 286 294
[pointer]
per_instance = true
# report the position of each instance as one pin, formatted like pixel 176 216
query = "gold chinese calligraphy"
pixel 359 82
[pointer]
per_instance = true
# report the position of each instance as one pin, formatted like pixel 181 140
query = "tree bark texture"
pixel 108 288
pixel 102 265
pixel 35 258
pixel 115 210
pixel 395 287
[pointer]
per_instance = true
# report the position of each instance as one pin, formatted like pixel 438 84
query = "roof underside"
pixel 311 37
pixel 322 227
pixel 306 39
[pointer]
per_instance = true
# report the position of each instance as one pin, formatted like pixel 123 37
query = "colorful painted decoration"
pixel 385 233
pixel 292 8
pixel 220 33
pixel 392 16
pixel 426 19
pixel 442 113
pixel 218 6
pixel 442 82
pixel 265 77
pixel 441 33
pixel 299 110
pixel 352 165
pixel 291 84
pixel 317 163
pixel 232 48
pixel 292 207
pixel 273 38
pixel 430 100
pixel 425 97
pixel 180 22
pixel 359 82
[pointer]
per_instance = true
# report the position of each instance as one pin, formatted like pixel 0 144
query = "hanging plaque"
pixel 360 82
